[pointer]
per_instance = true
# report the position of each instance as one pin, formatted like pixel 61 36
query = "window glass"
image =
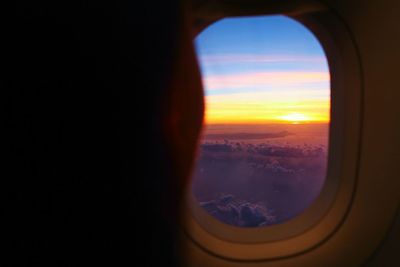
pixel 263 154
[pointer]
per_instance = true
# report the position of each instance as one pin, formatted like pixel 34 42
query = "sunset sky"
pixel 263 70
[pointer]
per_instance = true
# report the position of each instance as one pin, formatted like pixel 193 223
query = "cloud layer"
pixel 253 80
pixel 254 58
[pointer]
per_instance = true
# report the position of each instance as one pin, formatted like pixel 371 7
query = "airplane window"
pixel 263 153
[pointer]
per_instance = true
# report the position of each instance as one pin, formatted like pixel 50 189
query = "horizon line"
pixel 270 122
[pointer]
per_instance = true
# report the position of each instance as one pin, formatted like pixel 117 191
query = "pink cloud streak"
pixel 229 59
pixel 247 80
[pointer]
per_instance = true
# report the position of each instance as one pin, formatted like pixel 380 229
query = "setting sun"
pixel 295 118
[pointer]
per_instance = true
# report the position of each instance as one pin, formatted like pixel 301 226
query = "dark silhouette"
pixel 83 92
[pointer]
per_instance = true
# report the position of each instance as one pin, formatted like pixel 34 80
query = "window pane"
pixel 264 146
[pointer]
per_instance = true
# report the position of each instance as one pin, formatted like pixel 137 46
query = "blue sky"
pixel 275 59
pixel 264 35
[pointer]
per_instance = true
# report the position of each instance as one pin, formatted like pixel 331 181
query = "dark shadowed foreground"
pixel 258 184
pixel 81 83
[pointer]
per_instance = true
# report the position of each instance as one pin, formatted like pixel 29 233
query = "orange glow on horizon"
pixel 259 122
pixel 266 108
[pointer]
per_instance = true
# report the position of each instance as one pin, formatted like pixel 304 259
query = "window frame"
pixel 328 212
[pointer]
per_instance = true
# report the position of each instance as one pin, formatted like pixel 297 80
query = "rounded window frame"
pixel 324 216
